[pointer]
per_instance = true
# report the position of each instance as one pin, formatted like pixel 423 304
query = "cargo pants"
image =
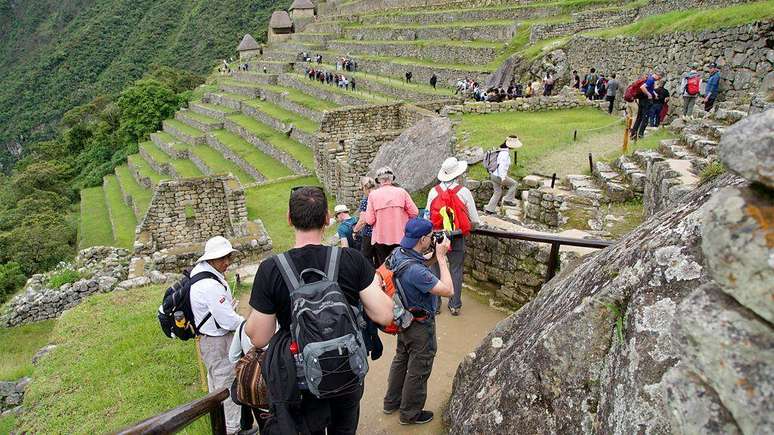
pixel 410 370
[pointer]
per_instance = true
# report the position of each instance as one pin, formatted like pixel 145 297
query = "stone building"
pixel 301 9
pixel 280 27
pixel 248 48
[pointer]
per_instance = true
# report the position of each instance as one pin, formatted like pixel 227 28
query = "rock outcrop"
pixel 668 331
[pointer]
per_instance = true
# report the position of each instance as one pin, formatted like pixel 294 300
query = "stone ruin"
pixel 184 214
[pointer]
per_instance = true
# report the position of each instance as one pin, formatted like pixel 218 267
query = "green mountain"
pixel 55 55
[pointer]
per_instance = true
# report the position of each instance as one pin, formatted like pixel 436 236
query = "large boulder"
pixel 637 339
pixel 747 148
pixel 416 155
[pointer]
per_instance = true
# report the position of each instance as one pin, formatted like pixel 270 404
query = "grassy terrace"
pixel 455 24
pixel 204 119
pixel 184 168
pixel 19 344
pixel 566 6
pixel 277 139
pixel 423 87
pixel 285 116
pixel 425 43
pixel 140 195
pixel 155 152
pixel 171 140
pixel 95 227
pixel 220 165
pixel 370 97
pixel 293 95
pixel 215 108
pixel 264 164
pixel 184 128
pixel 122 216
pixel 144 169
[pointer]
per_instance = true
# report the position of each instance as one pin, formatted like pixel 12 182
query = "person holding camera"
pixel 413 362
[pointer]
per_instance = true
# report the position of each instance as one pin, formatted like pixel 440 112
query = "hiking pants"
pixel 368 250
pixel 610 99
pixel 688 103
pixel 498 192
pixel 456 258
pixel 709 103
pixel 643 105
pixel 220 373
pixel 410 370
pixel 335 416
pixel 654 114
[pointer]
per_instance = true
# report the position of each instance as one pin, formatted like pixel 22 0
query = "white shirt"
pixel 464 195
pixel 241 344
pixel 503 163
pixel 207 296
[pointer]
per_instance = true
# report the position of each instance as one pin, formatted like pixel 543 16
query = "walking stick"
pixel 626 133
pixel 202 375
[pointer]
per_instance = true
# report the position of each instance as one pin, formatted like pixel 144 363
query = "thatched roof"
pixel 302 4
pixel 248 43
pixel 280 20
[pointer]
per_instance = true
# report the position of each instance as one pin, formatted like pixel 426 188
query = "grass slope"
pixel 140 195
pixel 112 368
pixel 277 139
pixel 269 167
pixel 18 345
pixel 220 165
pixel 304 124
pixel 95 227
pixel 122 216
pixel 144 169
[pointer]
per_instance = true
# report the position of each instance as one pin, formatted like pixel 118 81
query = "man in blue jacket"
pixel 713 85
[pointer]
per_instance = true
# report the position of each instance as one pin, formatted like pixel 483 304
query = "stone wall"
pixel 583 21
pixel 745 55
pixel 309 87
pixel 488 32
pixel 543 206
pixel 566 99
pixel 436 52
pixel 466 13
pixel 421 73
pixel 656 7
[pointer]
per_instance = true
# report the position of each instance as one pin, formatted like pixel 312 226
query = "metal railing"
pixel 555 241
pixel 176 419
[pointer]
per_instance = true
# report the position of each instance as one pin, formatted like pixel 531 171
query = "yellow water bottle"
pixel 180 319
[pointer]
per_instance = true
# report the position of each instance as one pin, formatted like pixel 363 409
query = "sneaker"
pixel 454 311
pixel 389 411
pixel 424 417
pixel 510 203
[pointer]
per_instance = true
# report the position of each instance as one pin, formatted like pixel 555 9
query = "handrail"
pixel 176 419
pixel 555 241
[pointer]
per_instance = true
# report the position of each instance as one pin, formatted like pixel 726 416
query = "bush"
pixel 11 279
pixel 711 171
pixel 63 274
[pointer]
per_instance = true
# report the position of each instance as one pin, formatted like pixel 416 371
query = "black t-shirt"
pixel 270 295
pixel 661 95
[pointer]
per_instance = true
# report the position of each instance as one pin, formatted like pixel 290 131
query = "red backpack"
pixel 692 85
pixel 633 91
pixel 448 212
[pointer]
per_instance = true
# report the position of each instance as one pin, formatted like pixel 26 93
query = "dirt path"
pixel 575 159
pixel 457 336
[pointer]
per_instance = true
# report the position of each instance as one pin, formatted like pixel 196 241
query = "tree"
pixel 143 106
pixel 11 279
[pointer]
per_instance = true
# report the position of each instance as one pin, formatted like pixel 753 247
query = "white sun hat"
pixel 341 208
pixel 216 247
pixel 451 169
pixel 513 142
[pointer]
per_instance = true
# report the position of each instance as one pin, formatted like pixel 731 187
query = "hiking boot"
pixel 510 203
pixel 424 417
pixel 454 311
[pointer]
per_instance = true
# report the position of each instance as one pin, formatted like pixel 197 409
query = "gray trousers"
pixel 410 370
pixel 220 373
pixel 508 182
pixel 456 259
pixel 688 103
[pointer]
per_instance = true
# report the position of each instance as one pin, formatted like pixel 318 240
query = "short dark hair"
pixel 593 70
pixel 612 75
pixel 308 208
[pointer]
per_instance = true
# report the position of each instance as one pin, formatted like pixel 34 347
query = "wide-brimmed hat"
pixel 451 169
pixel 216 247
pixel 513 142
pixel 341 208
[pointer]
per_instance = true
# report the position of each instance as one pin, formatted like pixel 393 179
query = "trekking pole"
pixel 591 163
pixel 626 133
pixel 202 374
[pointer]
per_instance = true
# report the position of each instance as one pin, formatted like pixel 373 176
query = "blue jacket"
pixel 713 83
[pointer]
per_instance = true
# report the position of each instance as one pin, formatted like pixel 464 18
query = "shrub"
pixel 11 279
pixel 711 171
pixel 64 273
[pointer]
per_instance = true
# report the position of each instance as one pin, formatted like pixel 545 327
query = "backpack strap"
pixel 288 271
pixel 333 261
pixel 205 274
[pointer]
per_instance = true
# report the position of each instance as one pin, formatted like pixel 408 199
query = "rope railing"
pixel 176 419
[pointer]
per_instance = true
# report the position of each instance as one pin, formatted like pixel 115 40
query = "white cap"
pixel 513 142
pixel 341 208
pixel 451 169
pixel 216 247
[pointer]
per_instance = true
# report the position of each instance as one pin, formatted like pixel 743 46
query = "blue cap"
pixel 415 229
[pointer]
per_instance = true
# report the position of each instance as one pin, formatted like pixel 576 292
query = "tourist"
pixel 548 84
pixel 575 80
pixel 612 89
pixel 645 96
pixel 536 86
pixel 352 83
pixel 213 308
pixel 344 233
pixel 240 346
pixel 409 74
pixel 433 80
pixel 458 198
pixel 367 184
pixel 265 71
pixel 690 87
pixel 389 208
pixel 659 102
pixel 713 86
pixel 270 300
pixel 417 344
pixel 500 177
pixel 590 83
pixel 600 87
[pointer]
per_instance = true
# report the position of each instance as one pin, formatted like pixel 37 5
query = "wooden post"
pixel 626 133
pixel 218 420
pixel 553 261
pixel 553 180
pixel 591 164
pixel 574 135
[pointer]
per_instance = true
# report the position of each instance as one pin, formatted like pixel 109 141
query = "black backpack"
pixel 327 342
pixel 177 299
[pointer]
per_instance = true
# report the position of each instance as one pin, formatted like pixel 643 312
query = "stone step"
pixel 183 132
pixel 727 116
pixel 143 173
pixel 584 187
pixel 330 92
pixel 672 149
pixel 700 144
pixel 169 144
pixel 463 52
pixel 275 144
pixel 198 121
pixel 633 173
pixel 483 30
pixel 157 159
pixel 249 90
pixel 298 127
pixel 212 110
pixel 255 77
pixel 643 158
pixel 612 182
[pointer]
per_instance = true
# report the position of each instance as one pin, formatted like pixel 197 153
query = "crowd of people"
pixel 327 77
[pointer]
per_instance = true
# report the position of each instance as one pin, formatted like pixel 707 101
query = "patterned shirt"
pixel 367 229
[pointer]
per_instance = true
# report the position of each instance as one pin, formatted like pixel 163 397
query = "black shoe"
pixel 454 311
pixel 389 411
pixel 424 417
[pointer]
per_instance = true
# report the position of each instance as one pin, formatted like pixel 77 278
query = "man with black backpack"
pixel 213 310
pixel 498 164
pixel 316 362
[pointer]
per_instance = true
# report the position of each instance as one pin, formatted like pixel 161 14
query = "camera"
pixel 438 237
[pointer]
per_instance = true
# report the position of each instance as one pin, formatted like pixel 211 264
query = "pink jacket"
pixel 389 208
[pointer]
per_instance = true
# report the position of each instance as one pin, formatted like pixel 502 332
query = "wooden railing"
pixel 176 419
pixel 555 241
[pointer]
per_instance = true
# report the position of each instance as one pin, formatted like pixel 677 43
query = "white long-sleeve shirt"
pixel 241 344
pixel 464 195
pixel 207 296
pixel 503 163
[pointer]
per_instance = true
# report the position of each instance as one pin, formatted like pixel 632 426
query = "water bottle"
pixel 179 319
pixel 299 360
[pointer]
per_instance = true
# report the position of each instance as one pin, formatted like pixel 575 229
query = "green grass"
pixel 220 165
pixel 371 97
pixel 693 20
pixel 186 168
pixel 266 165
pixel 489 23
pixel 7 424
pixel 155 152
pixel 18 345
pixel 285 116
pixel 277 139
pixel 423 87
pixel 140 195
pixel 184 128
pixel 565 6
pixel 270 204
pixel 204 119
pixel 144 169
pixel 171 140
pixel 95 222
pixel 215 107
pixel 542 133
pixel 426 43
pixel 112 368
pixel 124 221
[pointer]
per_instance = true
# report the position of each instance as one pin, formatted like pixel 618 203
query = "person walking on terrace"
pixel 646 94
pixel 713 86
pixel 453 210
pixel 213 304
pixel 417 344
pixel 433 80
pixel 500 177
pixel 345 233
pixel 389 208
pixel 367 184
pixel 612 89
pixel 690 87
